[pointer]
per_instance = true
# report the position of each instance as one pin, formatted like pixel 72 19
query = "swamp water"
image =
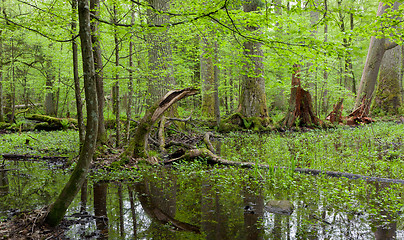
pixel 194 201
pixel 198 202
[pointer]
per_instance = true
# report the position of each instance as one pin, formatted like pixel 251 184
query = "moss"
pixel 387 99
pixel 237 121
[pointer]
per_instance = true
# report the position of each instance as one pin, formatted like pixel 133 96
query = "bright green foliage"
pixel 285 31
pixel 369 150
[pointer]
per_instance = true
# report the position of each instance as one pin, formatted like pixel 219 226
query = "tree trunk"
pixel 253 101
pixel 58 208
pixel 77 90
pixel 159 53
pixel 207 74
pixel 50 104
pixel 130 82
pixel 116 86
pixel 1 80
pixel 102 134
pixel 388 95
pixel 300 111
pixel 377 48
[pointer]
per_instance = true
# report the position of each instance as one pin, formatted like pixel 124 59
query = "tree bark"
pixel 253 101
pixel 115 89
pixel 130 82
pixel 300 106
pixel 388 95
pixel 377 48
pixel 50 104
pixel 58 208
pixel 94 8
pixel 159 53
pixel 209 72
pixel 77 90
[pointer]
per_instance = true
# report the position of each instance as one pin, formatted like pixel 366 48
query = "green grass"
pixel 54 143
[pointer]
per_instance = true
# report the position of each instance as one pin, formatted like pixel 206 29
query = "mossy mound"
pixel 237 122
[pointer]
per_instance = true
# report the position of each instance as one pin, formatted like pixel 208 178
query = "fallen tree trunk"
pixel 214 159
pixel 49 123
pixel 26 157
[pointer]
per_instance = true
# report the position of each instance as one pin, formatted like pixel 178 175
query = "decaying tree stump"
pixel 336 115
pixel 300 105
pixel 138 145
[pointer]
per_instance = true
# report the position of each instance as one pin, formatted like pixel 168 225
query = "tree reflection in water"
pixel 167 205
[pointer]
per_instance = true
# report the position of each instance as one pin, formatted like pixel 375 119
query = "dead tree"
pixel 300 105
pixel 138 145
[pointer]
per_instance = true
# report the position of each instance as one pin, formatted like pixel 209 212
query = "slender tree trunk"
pixel 58 208
pixel 377 48
pixel 77 90
pixel 253 101
pixel 216 87
pixel 130 83
pixel 102 135
pixel 116 86
pixel 324 98
pixel 1 77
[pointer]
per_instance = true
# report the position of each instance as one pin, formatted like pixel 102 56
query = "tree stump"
pixel 300 111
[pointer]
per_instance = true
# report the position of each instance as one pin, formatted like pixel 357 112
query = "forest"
pixel 219 119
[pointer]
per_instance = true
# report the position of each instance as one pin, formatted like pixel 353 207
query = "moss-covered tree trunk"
pixel 388 94
pixel 253 101
pixel 58 208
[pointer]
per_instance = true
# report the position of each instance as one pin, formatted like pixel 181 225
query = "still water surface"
pixel 214 203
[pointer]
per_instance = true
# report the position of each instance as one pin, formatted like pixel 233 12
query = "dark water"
pixel 214 203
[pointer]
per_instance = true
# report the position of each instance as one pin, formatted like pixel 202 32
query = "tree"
pixel 95 6
pixel 58 208
pixel 388 94
pixel 377 48
pixel 159 51
pixel 77 90
pixel 209 76
pixel 253 101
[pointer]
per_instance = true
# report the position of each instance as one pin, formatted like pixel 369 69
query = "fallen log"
pixel 214 159
pixel 49 123
pixel 26 157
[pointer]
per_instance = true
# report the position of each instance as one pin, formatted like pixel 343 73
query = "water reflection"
pixel 172 207
pixel 170 204
pixel 4 185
